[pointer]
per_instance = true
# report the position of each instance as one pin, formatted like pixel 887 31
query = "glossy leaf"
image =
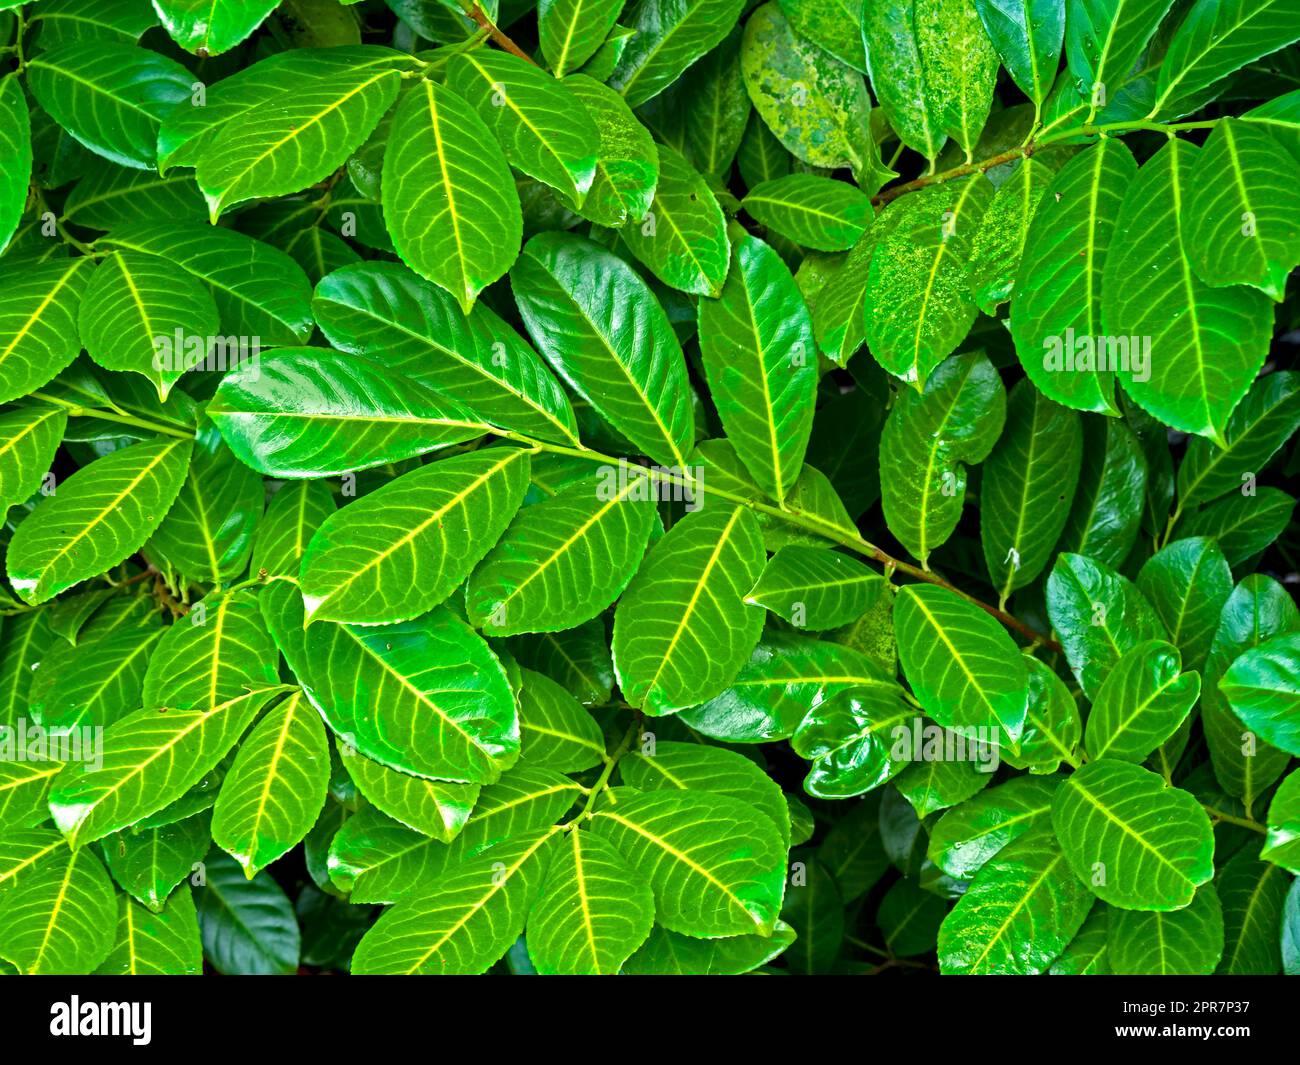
pixel 276 787
pixel 756 341
pixel 101 514
pixel 311 412
pixel 425 530
pixel 694 581
pixel 963 667
pixel 563 560
pixel 1138 843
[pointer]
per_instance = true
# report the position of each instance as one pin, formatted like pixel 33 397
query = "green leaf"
pixel 852 740
pixel 219 651
pixel 38 319
pixel 110 96
pixel 1086 954
pixel 814 212
pixel 1258 609
pixel 313 412
pixel 399 321
pixel 1104 39
pixel 1098 615
pixel 1141 703
pixel 58 916
pixel 292 517
pixel 1027 488
pixel 1261 424
pixel 1282 843
pixel 597 323
pixel 556 731
pixel 16 142
pixel 188 132
pixel 24 787
pixel 919 301
pixel 833 25
pixel 467 920
pixel 969 835
pixel 564 560
pixel 719 110
pixel 206 28
pixel 276 788
pixel 1188 582
pixel 99 679
pixel 138 315
pixel 372 858
pixel 1022 909
pixel 539 124
pixel 1027 35
pixel 1217 38
pixel 1262 687
pixel 757 345
pixel 1192 372
pixel 1000 241
pixel 570 31
pixel 683 238
pixel 928 440
pixel 1244 198
pixel 694 767
pixel 814 588
pixel 693 582
pixel 592 913
pixel 1186 942
pixel 150 758
pixel 1107 511
pixel 149 863
pixel 785 676
pixel 577 658
pixel 248 926
pixel 895 56
pixel 114 196
pixel 309 134
pixel 77 20
pixel 29 437
pixel 1253 894
pixel 469 235
pixel 26 638
pixel 424 530
pixel 627 163
pixel 433 808
pixel 814 910
pixel 964 668
pixel 683 844
pixel 1056 305
pixel 1138 843
pixel 166 943
pixel 1281 118
pixel 934 784
pixel 100 515
pixel 209 531
pixel 817 106
pixel 669 35
pixel 426 696
pixel 260 292
pixel 667 953
pixel 838 311
pixel 1243 525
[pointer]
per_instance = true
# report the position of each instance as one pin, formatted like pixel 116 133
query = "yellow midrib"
pixel 435 517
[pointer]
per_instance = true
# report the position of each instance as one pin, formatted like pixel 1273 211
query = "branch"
pixel 810 522
pixel 1025 150
pixel 471 8
pixel 1028 149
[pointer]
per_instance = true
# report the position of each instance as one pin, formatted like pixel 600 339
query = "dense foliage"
pixel 687 487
